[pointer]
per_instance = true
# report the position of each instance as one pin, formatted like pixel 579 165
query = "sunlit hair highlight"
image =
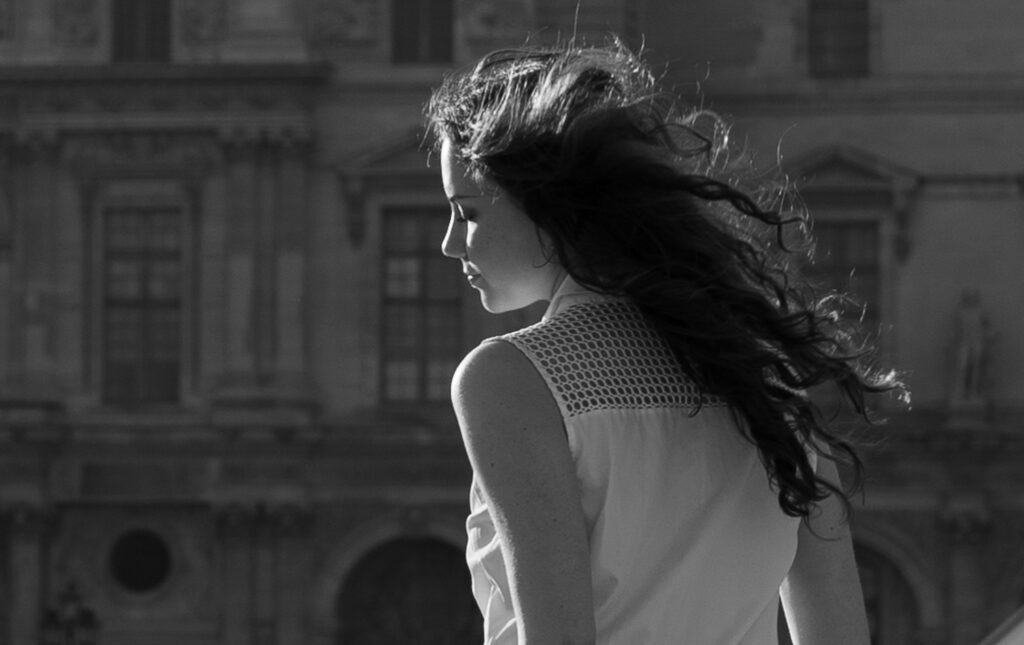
pixel 645 198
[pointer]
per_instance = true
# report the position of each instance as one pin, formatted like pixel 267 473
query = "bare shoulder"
pixel 500 399
pixel 497 373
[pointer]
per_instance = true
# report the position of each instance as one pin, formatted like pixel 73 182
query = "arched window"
pixel 892 608
pixel 409 590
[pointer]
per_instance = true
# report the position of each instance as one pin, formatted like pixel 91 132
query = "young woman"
pixel 647 467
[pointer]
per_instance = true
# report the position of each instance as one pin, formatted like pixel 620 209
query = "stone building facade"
pixel 226 330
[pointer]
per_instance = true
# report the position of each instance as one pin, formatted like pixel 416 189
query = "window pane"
pixel 443 338
pixel 846 259
pixel 401 380
pixel 141 30
pixel 124 279
pixel 163 231
pixel 164 280
pixel 439 378
pixel 123 334
pixel 439 36
pixel 405 31
pixel 421 313
pixel 401 233
pixel 402 279
pixel 838 38
pixel 444 278
pixel 142 283
pixel 164 334
pixel 120 382
pixel 124 231
pixel 422 31
pixel 161 383
pixel 402 330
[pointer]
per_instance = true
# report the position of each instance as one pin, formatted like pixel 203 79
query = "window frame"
pixel 819 40
pixel 141 194
pixel 145 52
pixel 421 301
pixel 850 204
pixel 424 54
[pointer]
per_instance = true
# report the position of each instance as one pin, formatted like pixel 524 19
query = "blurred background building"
pixel 226 330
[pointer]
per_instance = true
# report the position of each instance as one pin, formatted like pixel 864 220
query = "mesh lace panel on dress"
pixel 604 355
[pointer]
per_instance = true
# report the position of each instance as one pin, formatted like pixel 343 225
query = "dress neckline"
pixel 570 293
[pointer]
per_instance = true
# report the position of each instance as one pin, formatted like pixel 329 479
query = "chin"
pixel 504 305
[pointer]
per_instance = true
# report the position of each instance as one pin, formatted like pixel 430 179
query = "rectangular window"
pixel 421 328
pixel 422 31
pixel 838 37
pixel 142 282
pixel 846 259
pixel 141 31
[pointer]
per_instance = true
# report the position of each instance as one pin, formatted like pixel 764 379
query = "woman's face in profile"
pixel 501 250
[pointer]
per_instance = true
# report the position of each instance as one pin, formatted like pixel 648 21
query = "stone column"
pixel 292 234
pixel 236 524
pixel 240 243
pixel 37 22
pixel 264 215
pixel 292 525
pixel 6 241
pixel 264 588
pixel 35 252
pixel 966 523
pixel 27 531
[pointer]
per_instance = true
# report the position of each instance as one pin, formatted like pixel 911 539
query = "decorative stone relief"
pixel 495 20
pixel 6 19
pixel 343 22
pixel 86 153
pixel 970 351
pixel 202 21
pixel 75 22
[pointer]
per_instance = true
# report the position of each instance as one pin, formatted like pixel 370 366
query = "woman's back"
pixel 687 540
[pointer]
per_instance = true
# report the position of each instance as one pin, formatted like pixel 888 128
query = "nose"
pixel 453 245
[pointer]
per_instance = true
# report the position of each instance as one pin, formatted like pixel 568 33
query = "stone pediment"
pixel 402 152
pixel 843 173
pixel 397 164
pixel 840 167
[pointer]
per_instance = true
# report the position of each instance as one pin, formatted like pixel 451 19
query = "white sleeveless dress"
pixel 687 541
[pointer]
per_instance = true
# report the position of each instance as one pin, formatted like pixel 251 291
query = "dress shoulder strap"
pixel 605 355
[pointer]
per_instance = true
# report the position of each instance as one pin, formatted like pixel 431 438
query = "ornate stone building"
pixel 226 331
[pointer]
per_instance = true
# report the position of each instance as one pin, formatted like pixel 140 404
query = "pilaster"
pixel 28 527
pixel 235 523
pixel 240 259
pixel 967 521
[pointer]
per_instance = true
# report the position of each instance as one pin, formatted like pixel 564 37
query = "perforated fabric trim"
pixel 605 356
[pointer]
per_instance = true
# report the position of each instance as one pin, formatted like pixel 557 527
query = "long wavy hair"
pixel 645 198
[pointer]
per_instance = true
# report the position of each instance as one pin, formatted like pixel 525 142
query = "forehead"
pixel 454 174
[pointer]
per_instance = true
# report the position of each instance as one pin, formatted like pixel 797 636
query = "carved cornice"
pixel 259 100
pixel 91 155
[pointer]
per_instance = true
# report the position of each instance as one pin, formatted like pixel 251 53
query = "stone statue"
pixel 971 342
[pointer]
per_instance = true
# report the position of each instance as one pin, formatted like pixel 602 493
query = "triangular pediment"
pixel 842 166
pixel 400 152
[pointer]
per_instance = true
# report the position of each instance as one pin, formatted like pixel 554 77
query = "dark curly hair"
pixel 643 198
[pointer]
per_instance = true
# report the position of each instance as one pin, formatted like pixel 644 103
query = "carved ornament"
pixel 344 22
pixel 75 23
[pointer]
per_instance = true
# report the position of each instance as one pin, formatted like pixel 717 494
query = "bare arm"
pixel 515 440
pixel 822 595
